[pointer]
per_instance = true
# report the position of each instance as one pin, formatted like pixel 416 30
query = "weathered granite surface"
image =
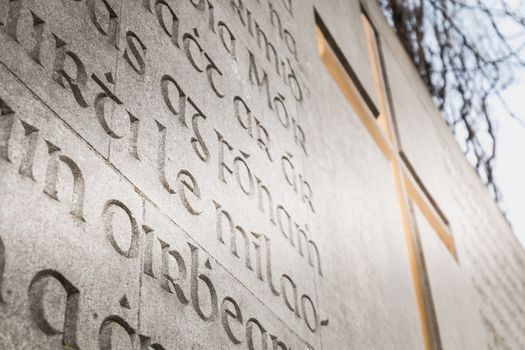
pixel 187 175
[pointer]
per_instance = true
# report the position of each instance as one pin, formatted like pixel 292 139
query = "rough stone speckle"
pixel 188 175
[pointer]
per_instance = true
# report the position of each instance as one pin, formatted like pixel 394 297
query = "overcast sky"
pixel 510 166
pixel 510 161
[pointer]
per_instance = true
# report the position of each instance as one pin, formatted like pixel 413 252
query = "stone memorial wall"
pixel 237 174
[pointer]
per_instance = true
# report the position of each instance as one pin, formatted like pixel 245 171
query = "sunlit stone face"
pixel 256 174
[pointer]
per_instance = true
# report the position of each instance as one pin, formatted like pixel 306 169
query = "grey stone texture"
pixel 187 175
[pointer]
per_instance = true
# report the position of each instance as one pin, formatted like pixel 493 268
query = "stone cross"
pixel 411 192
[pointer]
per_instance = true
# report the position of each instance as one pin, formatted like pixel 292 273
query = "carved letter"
pixel 219 214
pixel 38 37
pixel 211 16
pixel 289 170
pixel 268 47
pixel 313 246
pixel 249 334
pixel 258 256
pixel 269 272
pixel 222 165
pixel 100 111
pixel 284 119
pixel 260 82
pixel 307 194
pixel 246 188
pixel 172 32
pixel 293 306
pixel 236 315
pixel 181 269
pixel 264 144
pixel 77 200
pixel 7 120
pixel 109 211
pixel 199 146
pixel 195 277
pixel 139 56
pixel 230 43
pixel 246 122
pixel 105 332
pixel 305 299
pixel 300 137
pixel 238 7
pixel 301 237
pixel 275 19
pixel 53 163
pixel 28 150
pixel 181 112
pixel 59 74
pixel 166 278
pixel 190 186
pixel 210 69
pixel 111 32
pixel 161 158
pixel 277 344
pixel 149 237
pixel 294 82
pixel 134 136
pixel 37 290
pixel 187 39
pixel 13 14
pixel 285 230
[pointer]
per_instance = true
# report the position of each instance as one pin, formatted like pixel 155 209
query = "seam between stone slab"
pixel 304 161
pixel 146 198
pixel 143 214
pixel 310 215
pixel 110 144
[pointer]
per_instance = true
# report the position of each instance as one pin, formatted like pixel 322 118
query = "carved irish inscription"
pixel 24 151
pixel 215 43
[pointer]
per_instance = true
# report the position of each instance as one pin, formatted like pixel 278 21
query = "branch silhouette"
pixel 467 52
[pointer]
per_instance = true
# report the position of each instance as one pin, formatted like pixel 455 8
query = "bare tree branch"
pixel 467 52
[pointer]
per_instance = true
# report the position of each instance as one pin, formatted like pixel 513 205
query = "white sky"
pixel 510 162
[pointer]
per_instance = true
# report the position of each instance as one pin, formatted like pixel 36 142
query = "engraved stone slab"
pixel 66 238
pixel 188 175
